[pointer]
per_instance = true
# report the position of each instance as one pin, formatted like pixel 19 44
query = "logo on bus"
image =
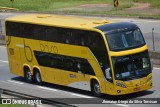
pixel 50 49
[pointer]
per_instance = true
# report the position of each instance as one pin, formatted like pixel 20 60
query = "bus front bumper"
pixel 121 91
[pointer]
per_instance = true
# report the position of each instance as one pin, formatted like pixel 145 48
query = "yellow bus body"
pixel 20 55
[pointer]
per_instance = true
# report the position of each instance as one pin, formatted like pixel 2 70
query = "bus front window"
pixel 122 40
pixel 131 67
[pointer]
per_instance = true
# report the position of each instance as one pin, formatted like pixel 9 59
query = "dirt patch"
pixel 94 5
pixel 90 8
pixel 141 8
pixel 136 9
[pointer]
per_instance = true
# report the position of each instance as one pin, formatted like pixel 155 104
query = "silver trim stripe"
pixel 20 45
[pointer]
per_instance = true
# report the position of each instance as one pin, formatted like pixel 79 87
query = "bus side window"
pixel 84 67
pixel 51 34
pixel 18 30
pixel 68 64
pixel 39 32
pixel 27 31
pixel 8 28
pixel 78 37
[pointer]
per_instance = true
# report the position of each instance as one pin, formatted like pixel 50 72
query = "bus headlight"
pixel 120 84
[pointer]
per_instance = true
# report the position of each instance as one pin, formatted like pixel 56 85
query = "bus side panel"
pixel 50 75
pixel 109 87
pixel 14 56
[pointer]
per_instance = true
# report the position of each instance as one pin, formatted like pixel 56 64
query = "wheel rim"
pixel 96 89
pixel 38 77
pixel 29 75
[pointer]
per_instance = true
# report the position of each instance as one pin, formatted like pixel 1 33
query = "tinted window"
pixel 90 39
pixel 69 64
pixel 125 40
pixel 64 62
pixel 13 29
pixel 84 67
pixel 39 32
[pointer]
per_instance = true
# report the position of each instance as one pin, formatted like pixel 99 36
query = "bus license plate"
pixel 137 89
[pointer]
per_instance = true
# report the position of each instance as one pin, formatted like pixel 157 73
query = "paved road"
pixel 18 84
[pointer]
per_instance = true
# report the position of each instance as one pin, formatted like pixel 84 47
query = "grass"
pixel 59 6
pixel 11 105
pixel 154 3
pixel 43 5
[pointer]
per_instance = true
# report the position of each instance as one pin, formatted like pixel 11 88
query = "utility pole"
pixel 12 2
pixel 153 39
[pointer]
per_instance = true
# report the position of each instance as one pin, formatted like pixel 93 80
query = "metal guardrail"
pixel 30 97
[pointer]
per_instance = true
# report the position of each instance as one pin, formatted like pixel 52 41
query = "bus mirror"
pixel 107 71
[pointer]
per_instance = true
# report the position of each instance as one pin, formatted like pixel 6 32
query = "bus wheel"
pixel 38 79
pixel 28 76
pixel 96 89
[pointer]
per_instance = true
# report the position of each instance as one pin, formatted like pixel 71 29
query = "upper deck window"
pixel 123 40
pixel 122 35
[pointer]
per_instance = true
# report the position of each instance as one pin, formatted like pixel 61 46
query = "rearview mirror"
pixel 108 75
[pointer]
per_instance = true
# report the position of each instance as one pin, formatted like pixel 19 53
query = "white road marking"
pixel 37 105
pixel 123 105
pixel 79 95
pixel 15 82
pixel 157 68
pixel 41 106
pixel 3 61
pixel 2 47
pixel 4 96
pixel 47 88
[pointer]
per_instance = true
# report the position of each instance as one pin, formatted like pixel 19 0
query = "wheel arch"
pixel 26 66
pixel 92 80
pixel 36 68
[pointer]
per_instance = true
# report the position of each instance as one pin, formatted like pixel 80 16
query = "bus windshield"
pixel 131 67
pixel 123 40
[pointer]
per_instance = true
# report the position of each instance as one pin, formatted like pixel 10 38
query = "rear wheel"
pixel 28 76
pixel 38 79
pixel 96 89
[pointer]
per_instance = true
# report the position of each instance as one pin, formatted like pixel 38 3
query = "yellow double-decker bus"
pixel 95 55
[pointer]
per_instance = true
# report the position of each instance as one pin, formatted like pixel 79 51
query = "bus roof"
pixel 117 27
pixel 59 20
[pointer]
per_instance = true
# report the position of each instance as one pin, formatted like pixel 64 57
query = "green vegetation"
pixel 43 5
pixel 104 7
pixel 11 105
pixel 154 3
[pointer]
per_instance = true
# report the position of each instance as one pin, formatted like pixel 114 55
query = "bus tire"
pixel 28 76
pixel 37 76
pixel 96 88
